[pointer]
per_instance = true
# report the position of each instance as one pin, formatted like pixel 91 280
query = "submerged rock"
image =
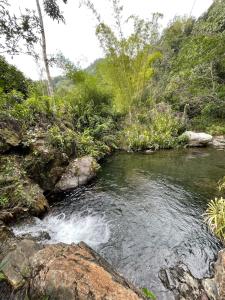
pixel 197 139
pixel 78 172
pixel 63 272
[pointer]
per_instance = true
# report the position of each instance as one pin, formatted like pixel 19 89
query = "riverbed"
pixel 143 213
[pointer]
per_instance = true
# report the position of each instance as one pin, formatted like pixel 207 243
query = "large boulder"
pixel 78 172
pixel 197 139
pixel 10 134
pixel 45 164
pixel 62 272
pixel 184 285
pixel 180 281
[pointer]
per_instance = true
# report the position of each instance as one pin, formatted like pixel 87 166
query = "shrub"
pixel 155 129
pixel 215 217
pixel 63 139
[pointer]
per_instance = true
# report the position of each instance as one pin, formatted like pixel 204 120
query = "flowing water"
pixel 143 213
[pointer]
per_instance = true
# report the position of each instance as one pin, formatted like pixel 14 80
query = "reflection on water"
pixel 143 213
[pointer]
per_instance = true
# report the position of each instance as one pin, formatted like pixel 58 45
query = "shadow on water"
pixel 144 212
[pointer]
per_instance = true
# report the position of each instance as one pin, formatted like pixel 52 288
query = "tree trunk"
pixel 44 52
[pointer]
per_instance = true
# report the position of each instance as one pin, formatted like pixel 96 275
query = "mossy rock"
pixel 17 190
pixel 10 134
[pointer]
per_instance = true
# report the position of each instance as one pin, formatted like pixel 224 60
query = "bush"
pixel 155 129
pixel 63 139
pixel 215 217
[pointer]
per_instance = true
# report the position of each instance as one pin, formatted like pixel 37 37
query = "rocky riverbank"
pixel 30 270
pixel 30 169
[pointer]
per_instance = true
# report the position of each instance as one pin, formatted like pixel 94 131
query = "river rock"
pixel 79 172
pixel 197 139
pixel 16 265
pixel 10 134
pixel 220 274
pixel 218 142
pixel 63 272
pixel 183 285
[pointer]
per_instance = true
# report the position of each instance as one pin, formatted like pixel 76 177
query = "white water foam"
pixel 91 229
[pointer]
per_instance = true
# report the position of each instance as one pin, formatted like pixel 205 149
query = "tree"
pixel 16 31
pixel 11 78
pixel 127 66
pixel 20 33
pixel 52 9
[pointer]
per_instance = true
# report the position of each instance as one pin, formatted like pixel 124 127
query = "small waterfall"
pixel 89 228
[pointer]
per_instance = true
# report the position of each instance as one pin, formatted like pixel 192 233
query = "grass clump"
pixel 215 217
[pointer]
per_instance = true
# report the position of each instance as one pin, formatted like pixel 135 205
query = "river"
pixel 143 213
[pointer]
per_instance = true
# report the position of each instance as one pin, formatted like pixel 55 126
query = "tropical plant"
pixel 215 217
pixel 127 67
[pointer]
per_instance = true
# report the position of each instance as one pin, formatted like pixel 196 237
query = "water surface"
pixel 143 212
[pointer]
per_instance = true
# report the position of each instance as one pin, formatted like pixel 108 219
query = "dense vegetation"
pixel 142 95
pixel 147 90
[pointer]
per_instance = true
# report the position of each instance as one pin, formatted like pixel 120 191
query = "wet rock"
pixel 10 134
pixel 77 272
pixel 16 264
pixel 41 236
pixel 220 274
pixel 19 193
pixel 197 139
pixel 183 285
pixel 8 215
pixel 79 172
pixel 63 272
pixel 218 142
pixel 210 288
pixel 7 241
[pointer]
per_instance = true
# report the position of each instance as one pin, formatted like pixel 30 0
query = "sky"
pixel 76 39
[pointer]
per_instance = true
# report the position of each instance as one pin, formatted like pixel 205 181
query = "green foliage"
pixel 62 139
pixel 4 201
pixel 34 110
pixel 215 217
pixel 12 79
pixel 221 184
pixel 2 277
pixel 149 294
pixel 191 70
pixel 154 129
pixel 127 68
pixel 8 100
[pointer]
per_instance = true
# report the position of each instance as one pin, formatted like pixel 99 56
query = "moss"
pixel 16 189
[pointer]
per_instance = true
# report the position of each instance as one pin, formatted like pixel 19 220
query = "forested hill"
pixel 192 69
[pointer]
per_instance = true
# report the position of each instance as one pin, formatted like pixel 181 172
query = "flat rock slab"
pixel 63 272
